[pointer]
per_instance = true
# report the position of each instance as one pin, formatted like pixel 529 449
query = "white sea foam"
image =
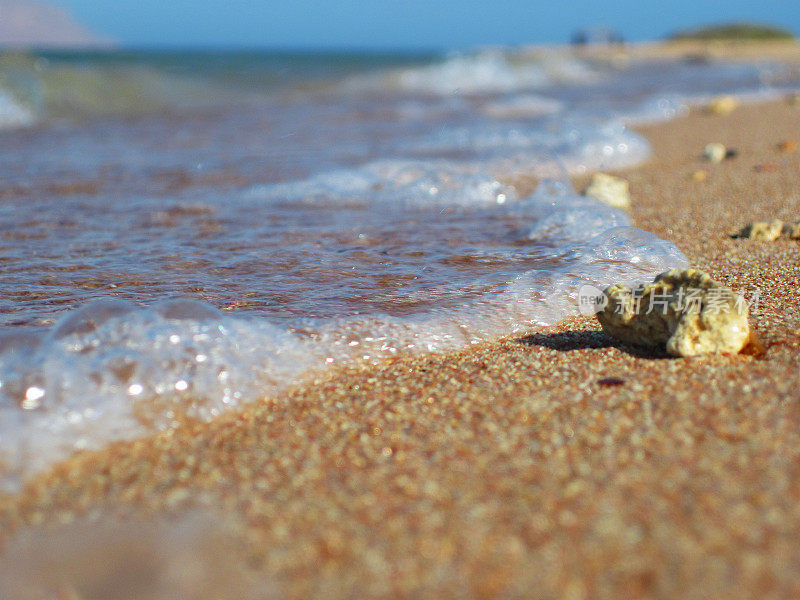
pixel 396 182
pixel 658 109
pixel 487 71
pixel 578 144
pixel 13 114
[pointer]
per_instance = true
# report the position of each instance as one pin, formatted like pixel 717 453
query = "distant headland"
pixel 735 32
pixel 35 24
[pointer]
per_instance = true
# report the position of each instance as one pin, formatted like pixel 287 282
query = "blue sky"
pixel 403 23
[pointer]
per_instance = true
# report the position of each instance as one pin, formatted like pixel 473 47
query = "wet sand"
pixel 558 465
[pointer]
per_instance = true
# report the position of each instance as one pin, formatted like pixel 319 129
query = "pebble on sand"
pixel 787 146
pixel 684 311
pixel 700 175
pixel 769 231
pixel 722 105
pixel 614 191
pixel 715 152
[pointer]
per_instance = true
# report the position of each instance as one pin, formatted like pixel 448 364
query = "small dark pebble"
pixel 766 168
pixel 731 153
pixel 610 381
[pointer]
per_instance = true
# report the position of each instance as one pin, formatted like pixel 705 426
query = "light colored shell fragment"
pixel 715 152
pixel 722 105
pixel 769 231
pixel 612 190
pixel 683 310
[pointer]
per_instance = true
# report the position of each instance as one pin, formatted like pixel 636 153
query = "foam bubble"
pixel 102 375
pixel 560 214
pixel 395 182
pixel 657 109
pixel 581 144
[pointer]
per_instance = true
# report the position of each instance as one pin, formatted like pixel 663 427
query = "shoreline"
pixel 510 466
pixel 787 51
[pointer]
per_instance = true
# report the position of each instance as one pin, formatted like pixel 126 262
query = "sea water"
pixel 184 233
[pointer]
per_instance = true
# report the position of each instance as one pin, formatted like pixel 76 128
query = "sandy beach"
pixel 556 465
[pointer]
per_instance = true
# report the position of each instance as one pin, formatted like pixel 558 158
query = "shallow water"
pixel 180 234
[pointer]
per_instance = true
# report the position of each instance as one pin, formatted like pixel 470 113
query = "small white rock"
pixel 762 230
pixel 611 190
pixel 722 105
pixel 715 152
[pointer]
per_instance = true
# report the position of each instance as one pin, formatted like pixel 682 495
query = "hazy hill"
pixel 735 31
pixel 31 23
